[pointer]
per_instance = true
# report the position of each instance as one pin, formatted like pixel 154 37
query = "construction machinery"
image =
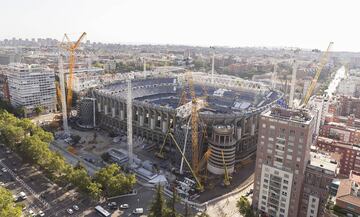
pixel 313 83
pixel 200 187
pixel 71 47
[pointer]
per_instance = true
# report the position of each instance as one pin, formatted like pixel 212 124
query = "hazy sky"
pixel 302 23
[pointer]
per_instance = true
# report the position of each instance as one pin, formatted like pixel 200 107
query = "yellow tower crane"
pixel 194 126
pixel 312 86
pixel 71 47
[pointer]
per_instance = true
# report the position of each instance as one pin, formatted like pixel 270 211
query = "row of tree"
pixel 166 208
pixel 32 143
pixel 7 206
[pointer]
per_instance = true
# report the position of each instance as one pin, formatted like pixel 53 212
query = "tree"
pixel 7 205
pixel 203 214
pixel 187 213
pixel 114 182
pixel 94 191
pixel 170 209
pixel 158 207
pixel 244 207
pixel 39 110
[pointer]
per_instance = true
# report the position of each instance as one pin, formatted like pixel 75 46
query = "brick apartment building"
pixel 283 152
pixel 341 132
pixel 319 174
pixel 349 154
pixel 348 195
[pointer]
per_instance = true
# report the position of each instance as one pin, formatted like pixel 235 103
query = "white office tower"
pixel 32 86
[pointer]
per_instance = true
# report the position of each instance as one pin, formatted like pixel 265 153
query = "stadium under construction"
pixel 228 112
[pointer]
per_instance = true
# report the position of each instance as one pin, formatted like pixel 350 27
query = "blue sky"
pixel 301 23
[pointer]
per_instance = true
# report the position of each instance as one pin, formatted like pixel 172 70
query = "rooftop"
pixel 324 162
pixel 293 115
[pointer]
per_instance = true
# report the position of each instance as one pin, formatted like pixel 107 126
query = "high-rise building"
pixel 32 86
pixel 283 152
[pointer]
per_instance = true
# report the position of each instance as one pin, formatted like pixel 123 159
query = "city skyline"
pixel 304 24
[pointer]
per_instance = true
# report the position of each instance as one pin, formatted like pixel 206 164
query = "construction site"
pixel 193 131
pixel 192 124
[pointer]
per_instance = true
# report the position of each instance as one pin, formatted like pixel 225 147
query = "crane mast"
pixel 194 126
pixel 312 86
pixel 71 47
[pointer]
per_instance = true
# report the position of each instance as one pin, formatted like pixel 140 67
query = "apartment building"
pixel 349 153
pixel 283 152
pixel 348 195
pixel 320 172
pixel 31 86
pixel 341 132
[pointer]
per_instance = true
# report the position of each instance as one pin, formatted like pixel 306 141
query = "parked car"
pixel 124 206
pixel 4 170
pixel 70 211
pixel 112 205
pixel 41 213
pixel 138 211
pixel 22 195
pixel 75 207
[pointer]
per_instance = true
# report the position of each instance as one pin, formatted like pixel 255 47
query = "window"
pixel 298 159
pixel 286 182
pixel 272 127
pixel 289 157
pixel 284 193
pixel 264 125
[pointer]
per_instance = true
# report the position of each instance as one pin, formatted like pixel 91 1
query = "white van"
pixel 22 195
pixel 138 211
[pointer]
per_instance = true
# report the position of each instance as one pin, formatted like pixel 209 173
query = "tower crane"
pixel 194 126
pixel 313 83
pixel 71 47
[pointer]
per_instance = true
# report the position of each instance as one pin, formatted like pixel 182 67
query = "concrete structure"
pixel 349 154
pixel 32 86
pixel 230 102
pixel 319 174
pixel 285 137
pixel 87 109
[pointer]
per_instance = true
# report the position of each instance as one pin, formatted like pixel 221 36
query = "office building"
pixel 283 152
pixel 31 86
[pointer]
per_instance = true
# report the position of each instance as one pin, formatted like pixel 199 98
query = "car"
pixel 31 212
pixel 70 211
pixel 112 205
pixel 4 170
pixel 124 206
pixel 75 207
pixel 22 195
pixel 41 213
pixel 138 211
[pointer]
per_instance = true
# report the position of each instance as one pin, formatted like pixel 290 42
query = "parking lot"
pixel 42 194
